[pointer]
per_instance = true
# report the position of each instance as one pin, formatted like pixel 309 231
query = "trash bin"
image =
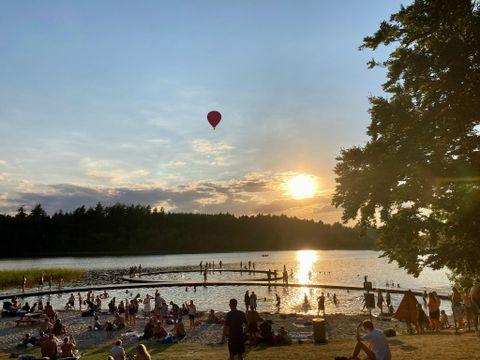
pixel 319 331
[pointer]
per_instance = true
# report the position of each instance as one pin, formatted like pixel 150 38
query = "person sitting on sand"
pixel 212 318
pixel 391 310
pixel 58 328
pixel 266 332
pixel 46 326
pixel 40 306
pixel 33 308
pixel 175 309
pixel 252 326
pixel 148 330
pixel 26 307
pixel 159 332
pixel 67 347
pixel 27 341
pixel 378 349
pixel 444 323
pixel 141 353
pixel 179 329
pixel 164 310
pixel 119 321
pixel 49 346
pixel 49 310
pixel 96 324
pixel 118 352
pixel 283 338
pixel 92 308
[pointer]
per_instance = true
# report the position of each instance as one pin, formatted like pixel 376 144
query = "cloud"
pixel 282 205
pixel 107 171
pixel 208 147
pixel 253 193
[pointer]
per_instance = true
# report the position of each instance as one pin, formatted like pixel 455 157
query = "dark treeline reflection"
pixel 130 229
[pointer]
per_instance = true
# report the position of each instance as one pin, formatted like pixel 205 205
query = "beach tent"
pixel 407 310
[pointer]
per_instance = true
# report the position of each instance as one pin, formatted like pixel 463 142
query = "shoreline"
pixel 85 254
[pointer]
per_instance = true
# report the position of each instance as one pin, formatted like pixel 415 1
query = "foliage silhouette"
pixel 418 177
pixel 135 229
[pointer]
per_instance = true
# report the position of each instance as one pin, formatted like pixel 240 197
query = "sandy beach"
pixel 298 325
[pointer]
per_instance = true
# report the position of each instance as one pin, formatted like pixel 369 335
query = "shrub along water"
pixel 14 278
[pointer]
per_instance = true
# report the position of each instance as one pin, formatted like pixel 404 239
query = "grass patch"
pixel 14 278
pixel 409 347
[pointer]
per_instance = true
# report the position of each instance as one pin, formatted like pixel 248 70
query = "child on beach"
pixel 444 323
pixel 422 319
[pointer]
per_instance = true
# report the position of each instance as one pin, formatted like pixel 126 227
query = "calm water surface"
pixel 339 267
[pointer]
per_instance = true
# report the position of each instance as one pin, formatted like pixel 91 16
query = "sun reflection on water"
pixel 306 260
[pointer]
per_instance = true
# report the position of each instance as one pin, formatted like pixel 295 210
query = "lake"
pixel 340 267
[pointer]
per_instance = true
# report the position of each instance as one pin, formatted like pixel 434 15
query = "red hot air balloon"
pixel 214 118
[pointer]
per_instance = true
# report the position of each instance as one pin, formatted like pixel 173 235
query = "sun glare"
pixel 302 186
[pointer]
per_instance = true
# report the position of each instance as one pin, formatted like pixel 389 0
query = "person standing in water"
pixel 321 304
pixel 247 300
pixel 40 282
pixel 380 301
pixel 253 301
pixel 278 299
pixel 192 311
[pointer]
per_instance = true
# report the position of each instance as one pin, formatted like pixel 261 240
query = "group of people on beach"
pixel 240 328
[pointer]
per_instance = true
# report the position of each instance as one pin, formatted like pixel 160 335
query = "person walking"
pixel 233 328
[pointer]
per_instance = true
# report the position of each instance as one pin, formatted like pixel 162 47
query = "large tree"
pixel 417 179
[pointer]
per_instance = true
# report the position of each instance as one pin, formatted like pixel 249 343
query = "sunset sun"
pixel 302 186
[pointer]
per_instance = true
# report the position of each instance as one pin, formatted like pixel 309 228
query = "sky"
pixel 107 101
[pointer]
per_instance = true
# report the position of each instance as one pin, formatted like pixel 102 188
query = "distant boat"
pixel 264 255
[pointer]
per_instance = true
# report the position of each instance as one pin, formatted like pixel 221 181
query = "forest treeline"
pixel 138 229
